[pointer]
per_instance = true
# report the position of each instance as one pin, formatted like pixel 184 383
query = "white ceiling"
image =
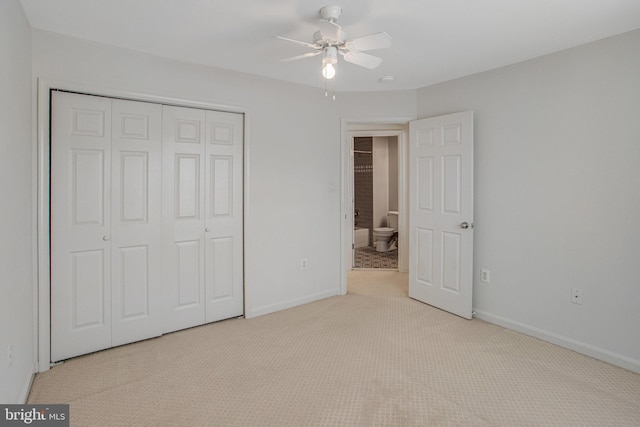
pixel 432 40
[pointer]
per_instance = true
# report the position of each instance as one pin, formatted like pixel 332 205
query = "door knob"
pixel 464 225
pixel 105 238
pixel 207 229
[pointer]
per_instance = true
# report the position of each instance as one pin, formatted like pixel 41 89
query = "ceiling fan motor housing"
pixel 320 40
pixel 330 55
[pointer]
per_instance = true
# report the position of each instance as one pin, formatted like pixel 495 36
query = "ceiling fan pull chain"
pixel 326 91
pixel 333 83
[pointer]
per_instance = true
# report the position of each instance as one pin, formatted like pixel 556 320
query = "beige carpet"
pixel 373 357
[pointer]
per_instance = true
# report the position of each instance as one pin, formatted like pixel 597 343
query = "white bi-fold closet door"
pixel 113 261
pixel 106 249
pixel 202 216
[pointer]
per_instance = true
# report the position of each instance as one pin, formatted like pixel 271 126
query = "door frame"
pixel 42 184
pixel 372 126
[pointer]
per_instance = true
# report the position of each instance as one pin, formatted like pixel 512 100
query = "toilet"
pixel 382 235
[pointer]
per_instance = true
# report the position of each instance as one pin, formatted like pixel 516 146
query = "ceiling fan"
pixel 331 40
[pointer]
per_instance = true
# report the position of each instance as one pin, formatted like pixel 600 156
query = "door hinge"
pixel 353 246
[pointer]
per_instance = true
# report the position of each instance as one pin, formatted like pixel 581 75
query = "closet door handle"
pixel 106 238
pixel 207 229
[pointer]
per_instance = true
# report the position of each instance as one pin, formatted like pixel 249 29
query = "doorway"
pixel 375 207
pixel 351 128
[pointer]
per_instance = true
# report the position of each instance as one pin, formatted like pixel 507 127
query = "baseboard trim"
pixel 26 389
pixel 292 303
pixel 569 343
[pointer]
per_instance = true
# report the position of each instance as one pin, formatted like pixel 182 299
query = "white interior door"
pixel 80 224
pixel 183 217
pixel 224 213
pixel 441 212
pixel 136 221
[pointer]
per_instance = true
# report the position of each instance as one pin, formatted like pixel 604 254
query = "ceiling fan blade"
pixel 312 46
pixel 370 42
pixel 330 30
pixel 305 55
pixel 363 59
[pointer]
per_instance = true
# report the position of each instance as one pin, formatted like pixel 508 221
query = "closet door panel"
pixel 183 217
pixel 224 215
pixel 136 221
pixel 80 224
pixel 188 284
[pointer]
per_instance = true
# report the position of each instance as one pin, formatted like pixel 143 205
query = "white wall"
pixel 557 184
pixel 16 257
pixel 293 208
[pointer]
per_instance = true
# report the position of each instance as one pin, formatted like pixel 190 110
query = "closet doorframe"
pixel 42 184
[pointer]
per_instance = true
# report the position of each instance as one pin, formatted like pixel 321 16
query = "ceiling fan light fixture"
pixel 329 60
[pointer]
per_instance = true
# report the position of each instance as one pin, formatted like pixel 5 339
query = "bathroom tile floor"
pixel 368 257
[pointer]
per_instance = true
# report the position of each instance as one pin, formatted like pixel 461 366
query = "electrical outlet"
pixel 303 264
pixel 485 276
pixel 576 295
pixel 10 354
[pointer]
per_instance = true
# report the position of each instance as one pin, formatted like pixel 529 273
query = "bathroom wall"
pixel 380 180
pixel 375 180
pixel 363 183
pixel 393 173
